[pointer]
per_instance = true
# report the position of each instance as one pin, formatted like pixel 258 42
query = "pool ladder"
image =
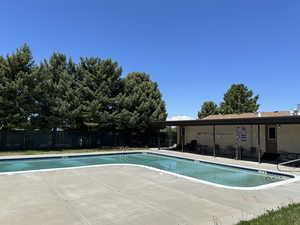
pixel 285 163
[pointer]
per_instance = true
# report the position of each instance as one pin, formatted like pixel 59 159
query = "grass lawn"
pixel 62 151
pixel 284 216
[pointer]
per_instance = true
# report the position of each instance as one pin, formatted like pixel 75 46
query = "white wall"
pixel 288 138
pixel 200 133
pixel 225 136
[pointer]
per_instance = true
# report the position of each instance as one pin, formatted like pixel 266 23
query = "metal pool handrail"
pixel 288 162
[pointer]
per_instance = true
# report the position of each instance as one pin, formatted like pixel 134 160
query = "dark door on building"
pixel 271 139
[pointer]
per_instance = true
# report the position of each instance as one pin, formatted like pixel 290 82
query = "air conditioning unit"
pixel 294 112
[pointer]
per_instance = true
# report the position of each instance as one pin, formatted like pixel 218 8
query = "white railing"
pixel 285 163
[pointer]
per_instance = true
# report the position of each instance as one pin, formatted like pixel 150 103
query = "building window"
pixel 272 133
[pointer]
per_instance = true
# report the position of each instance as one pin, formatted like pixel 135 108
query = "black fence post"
pixel 53 135
pixel 3 140
pixel 158 140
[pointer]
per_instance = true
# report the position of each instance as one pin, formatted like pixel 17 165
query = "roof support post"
pixel 158 139
pixel 182 138
pixel 171 138
pixel 258 143
pixel 237 144
pixel 214 140
pixel 169 135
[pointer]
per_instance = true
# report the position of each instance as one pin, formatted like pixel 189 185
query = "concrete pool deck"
pixel 132 195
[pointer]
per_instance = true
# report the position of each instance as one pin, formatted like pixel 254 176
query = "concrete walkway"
pixel 116 195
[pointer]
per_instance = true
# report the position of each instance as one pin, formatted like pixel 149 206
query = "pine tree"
pixel 15 89
pixel 53 93
pixel 99 89
pixel 58 93
pixel 140 103
pixel 239 99
pixel 208 108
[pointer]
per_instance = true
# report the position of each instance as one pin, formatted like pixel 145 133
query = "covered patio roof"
pixel 232 121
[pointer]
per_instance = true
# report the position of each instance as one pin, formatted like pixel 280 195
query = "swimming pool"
pixel 206 172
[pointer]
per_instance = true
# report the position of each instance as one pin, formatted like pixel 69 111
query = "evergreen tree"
pixel 140 103
pixel 15 88
pixel 53 93
pixel 208 108
pixel 58 93
pixel 239 99
pixel 99 90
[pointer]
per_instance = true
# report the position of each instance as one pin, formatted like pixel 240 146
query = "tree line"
pixel 238 99
pixel 61 94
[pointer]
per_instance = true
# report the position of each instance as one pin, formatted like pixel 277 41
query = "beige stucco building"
pixel 251 135
pixel 285 138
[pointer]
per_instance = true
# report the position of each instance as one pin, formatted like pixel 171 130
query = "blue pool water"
pixel 211 172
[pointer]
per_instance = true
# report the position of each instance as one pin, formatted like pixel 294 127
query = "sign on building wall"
pixel 241 134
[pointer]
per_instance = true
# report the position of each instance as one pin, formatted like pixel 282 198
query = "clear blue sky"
pixel 194 49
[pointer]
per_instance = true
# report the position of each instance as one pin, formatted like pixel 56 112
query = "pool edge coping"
pixel 293 178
